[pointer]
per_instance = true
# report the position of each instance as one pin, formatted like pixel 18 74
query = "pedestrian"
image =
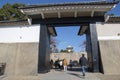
pixel 65 64
pixel 70 64
pixel 51 64
pixel 56 64
pixel 60 63
pixel 83 63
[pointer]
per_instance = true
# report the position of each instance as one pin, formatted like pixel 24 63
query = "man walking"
pixel 83 63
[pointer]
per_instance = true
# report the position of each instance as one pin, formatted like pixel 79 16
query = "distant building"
pixel 69 49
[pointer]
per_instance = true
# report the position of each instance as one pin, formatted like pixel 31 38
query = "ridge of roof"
pixel 70 3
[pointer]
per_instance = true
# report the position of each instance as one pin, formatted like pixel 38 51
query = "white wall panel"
pixel 16 34
pixel 108 31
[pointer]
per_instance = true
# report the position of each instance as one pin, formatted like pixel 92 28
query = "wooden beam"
pixel 68 21
pixel 92 13
pixel 42 14
pixel 75 14
pixel 59 15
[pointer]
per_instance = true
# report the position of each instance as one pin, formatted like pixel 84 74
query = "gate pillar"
pixel 92 48
pixel 44 50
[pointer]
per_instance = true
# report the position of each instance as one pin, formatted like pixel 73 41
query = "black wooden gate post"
pixel 44 50
pixel 94 47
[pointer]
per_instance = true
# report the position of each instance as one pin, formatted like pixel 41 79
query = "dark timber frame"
pixel 44 50
pixel 92 48
pixel 45 37
pixel 75 14
pixel 68 21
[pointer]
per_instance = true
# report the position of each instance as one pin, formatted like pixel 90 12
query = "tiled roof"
pixel 13 23
pixel 70 4
pixel 114 19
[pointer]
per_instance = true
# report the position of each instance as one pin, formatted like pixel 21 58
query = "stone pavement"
pixel 61 75
pixel 69 75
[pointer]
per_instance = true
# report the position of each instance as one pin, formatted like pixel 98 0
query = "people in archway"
pixel 70 64
pixel 83 63
pixel 60 64
pixel 57 66
pixel 65 64
pixel 51 64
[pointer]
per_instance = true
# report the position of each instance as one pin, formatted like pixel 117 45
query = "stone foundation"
pixel 110 56
pixel 20 58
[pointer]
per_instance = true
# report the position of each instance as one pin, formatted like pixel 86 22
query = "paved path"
pixel 69 75
pixel 61 75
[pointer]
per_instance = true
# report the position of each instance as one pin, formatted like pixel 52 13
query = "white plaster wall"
pixel 108 31
pixel 15 34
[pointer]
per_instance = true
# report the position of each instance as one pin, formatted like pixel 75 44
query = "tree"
pixel 11 12
pixel 63 51
pixel 83 46
pixel 53 44
pixel 112 14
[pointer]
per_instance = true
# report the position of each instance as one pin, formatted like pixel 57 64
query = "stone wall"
pixel 20 58
pixel 67 56
pixel 110 56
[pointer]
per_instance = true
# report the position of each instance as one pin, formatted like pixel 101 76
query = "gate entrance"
pixel 73 14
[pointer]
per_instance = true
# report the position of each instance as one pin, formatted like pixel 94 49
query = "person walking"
pixel 83 63
pixel 70 64
pixel 51 64
pixel 65 64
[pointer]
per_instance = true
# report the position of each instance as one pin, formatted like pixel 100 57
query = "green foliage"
pixel 63 51
pixel 112 14
pixel 11 12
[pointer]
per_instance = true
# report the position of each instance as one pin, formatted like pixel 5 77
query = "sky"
pixel 67 36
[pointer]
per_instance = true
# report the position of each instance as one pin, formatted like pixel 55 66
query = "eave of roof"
pixel 79 9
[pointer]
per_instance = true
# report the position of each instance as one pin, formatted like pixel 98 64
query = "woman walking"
pixel 65 64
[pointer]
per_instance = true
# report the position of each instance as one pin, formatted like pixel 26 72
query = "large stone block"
pixel 27 59
pixel 8 56
pixel 110 56
pixel 20 58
